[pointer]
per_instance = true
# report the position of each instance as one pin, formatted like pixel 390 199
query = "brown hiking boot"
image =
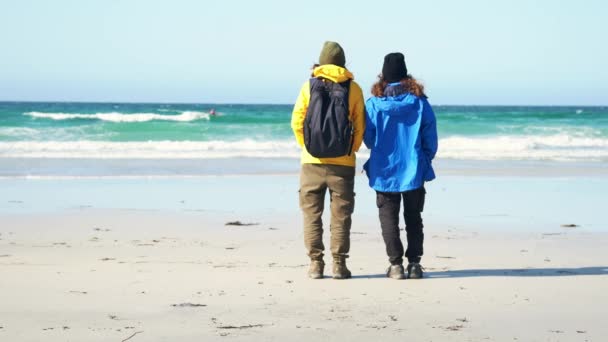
pixel 340 270
pixel 316 269
pixel 395 272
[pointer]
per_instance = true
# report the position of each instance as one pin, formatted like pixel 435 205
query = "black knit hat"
pixel 332 53
pixel 394 69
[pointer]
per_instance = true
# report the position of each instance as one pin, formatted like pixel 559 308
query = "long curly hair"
pixel 409 84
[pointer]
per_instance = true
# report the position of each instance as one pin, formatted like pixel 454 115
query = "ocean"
pixel 146 131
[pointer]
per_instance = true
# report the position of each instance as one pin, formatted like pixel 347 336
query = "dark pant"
pixel 389 204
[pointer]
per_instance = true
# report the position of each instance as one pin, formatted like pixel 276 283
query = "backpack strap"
pixel 317 80
pixel 320 82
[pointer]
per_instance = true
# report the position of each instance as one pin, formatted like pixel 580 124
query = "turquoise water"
pixel 141 122
pixel 120 130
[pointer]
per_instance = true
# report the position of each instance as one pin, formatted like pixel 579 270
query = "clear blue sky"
pixel 465 52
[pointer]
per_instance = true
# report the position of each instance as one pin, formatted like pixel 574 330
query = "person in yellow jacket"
pixel 336 174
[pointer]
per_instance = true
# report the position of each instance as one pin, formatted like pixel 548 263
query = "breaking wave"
pixel 122 117
pixel 553 147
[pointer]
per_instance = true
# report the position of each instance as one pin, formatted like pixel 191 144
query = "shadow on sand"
pixel 519 272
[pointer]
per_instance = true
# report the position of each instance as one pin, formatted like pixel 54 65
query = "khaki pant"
pixel 315 179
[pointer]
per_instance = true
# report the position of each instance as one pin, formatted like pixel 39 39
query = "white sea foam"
pixel 18 132
pixel 565 130
pixel 59 133
pixel 558 147
pixel 148 149
pixel 553 147
pixel 123 117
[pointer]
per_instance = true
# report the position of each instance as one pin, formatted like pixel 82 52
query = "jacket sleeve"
pixel 369 138
pixel 428 130
pixel 299 113
pixel 357 108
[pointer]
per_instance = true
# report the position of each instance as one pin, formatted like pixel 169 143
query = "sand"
pixel 90 274
pixel 510 255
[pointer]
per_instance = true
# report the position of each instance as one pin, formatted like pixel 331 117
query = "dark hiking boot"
pixel 340 270
pixel 316 269
pixel 415 270
pixel 395 272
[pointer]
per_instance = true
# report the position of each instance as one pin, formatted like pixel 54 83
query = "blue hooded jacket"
pixel 401 132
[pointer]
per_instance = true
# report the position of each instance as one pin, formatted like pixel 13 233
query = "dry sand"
pixel 128 275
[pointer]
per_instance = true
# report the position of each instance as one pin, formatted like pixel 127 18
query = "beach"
pixel 150 171
pixel 153 259
pixel 157 222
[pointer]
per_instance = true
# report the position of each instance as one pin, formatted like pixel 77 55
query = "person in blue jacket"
pixel 401 133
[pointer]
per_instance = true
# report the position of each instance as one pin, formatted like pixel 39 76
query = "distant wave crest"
pixel 123 117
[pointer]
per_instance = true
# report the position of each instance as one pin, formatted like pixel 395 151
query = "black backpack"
pixel 328 131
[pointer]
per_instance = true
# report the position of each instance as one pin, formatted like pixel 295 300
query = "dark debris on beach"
pixel 239 223
pixel 248 326
pixel 188 305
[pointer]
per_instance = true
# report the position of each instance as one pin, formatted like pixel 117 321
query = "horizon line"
pixel 286 104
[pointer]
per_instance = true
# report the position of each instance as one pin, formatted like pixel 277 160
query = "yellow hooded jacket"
pixel 356 110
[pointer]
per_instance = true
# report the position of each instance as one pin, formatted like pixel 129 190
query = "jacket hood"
pixel 333 72
pixel 399 105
